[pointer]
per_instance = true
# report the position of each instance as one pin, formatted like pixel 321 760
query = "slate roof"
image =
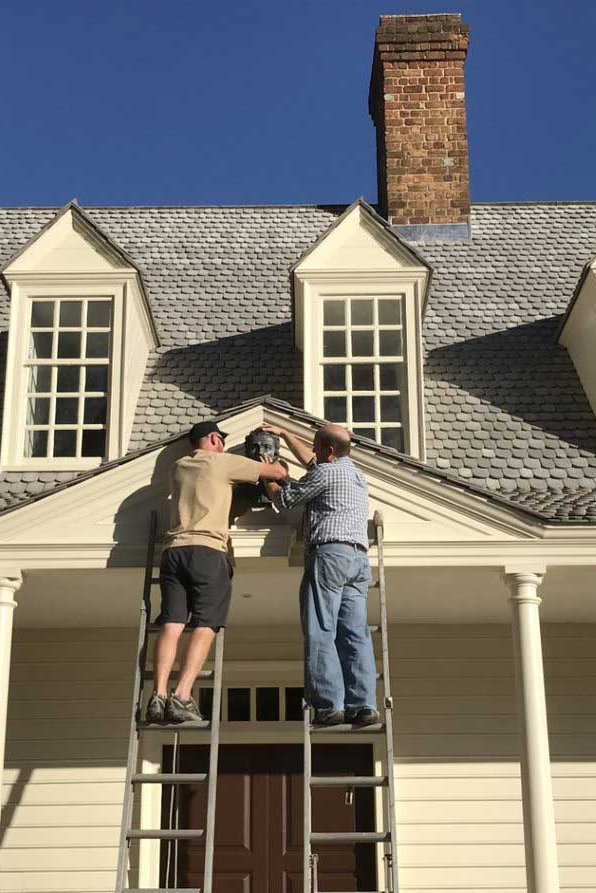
pixel 505 410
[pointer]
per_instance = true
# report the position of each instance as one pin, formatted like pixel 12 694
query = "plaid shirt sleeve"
pixel 296 493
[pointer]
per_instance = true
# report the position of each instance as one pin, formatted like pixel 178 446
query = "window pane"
pixel 366 432
pixel 94 443
pixel 362 344
pixel 389 377
pixel 70 313
pixel 98 345
pixel 334 313
pixel 40 379
pixel 68 378
pixel 336 409
pixel 267 704
pixel 334 344
pixel 392 437
pixel 389 312
pixel 239 704
pixel 98 313
pixel 67 410
pixel 41 345
pixel 390 343
pixel 363 409
pixel 42 314
pixel 38 411
pixel 69 345
pixel 96 378
pixel 362 313
pixel 36 444
pixel 65 443
pixel 95 411
pixel 334 378
pixel 363 377
pixel 294 704
pixel 390 409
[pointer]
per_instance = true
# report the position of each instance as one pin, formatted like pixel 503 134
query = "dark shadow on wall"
pixel 520 371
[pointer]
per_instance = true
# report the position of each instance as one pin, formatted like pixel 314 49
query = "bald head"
pixel 332 442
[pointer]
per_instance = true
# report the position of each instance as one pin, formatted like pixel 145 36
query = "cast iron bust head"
pixel 260 444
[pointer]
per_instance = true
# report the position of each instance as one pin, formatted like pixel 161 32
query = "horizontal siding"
pixel 460 822
pixel 69 711
pixel 459 796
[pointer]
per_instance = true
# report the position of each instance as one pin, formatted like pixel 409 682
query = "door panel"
pixel 258 832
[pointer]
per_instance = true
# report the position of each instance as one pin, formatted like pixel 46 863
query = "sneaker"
pixel 328 718
pixel 363 716
pixel 156 708
pixel 178 710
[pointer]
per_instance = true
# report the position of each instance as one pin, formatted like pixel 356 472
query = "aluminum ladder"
pixel 387 838
pixel 135 780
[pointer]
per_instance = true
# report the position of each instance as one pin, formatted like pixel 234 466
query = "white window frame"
pixel 23 293
pixel 407 285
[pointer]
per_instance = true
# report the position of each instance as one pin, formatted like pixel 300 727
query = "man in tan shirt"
pixel 195 575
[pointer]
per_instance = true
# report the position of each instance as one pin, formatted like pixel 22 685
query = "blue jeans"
pixel 340 669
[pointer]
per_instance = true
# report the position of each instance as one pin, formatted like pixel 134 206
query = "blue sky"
pixel 151 102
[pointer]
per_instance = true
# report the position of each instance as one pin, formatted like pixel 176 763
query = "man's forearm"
pixel 299 448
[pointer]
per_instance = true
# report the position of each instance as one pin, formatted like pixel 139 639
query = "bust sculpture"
pixel 260 444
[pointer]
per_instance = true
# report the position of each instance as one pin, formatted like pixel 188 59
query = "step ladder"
pixel 135 780
pixel 387 838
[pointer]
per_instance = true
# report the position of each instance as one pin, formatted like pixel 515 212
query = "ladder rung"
pixel 350 837
pixel 164 834
pixel 204 674
pixel 175 726
pixel 154 581
pixel 346 727
pixel 349 781
pixel 168 777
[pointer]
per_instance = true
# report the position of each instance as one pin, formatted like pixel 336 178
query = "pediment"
pixel 110 510
pixel 70 243
pixel 359 241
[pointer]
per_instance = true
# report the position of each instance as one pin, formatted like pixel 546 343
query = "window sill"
pixel 51 465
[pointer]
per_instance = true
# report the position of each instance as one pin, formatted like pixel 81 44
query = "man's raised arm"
pixel 298 447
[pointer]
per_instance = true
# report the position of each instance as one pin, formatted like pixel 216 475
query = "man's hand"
pixel 303 453
pixel 275 429
pixel 272 470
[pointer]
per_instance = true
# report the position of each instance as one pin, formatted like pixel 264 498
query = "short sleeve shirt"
pixel 201 488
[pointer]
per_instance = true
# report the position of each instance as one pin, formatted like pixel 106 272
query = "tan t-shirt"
pixel 201 488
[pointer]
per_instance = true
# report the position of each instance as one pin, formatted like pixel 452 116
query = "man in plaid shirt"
pixel 339 659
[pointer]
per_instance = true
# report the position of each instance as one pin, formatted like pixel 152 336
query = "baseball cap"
pixel 203 429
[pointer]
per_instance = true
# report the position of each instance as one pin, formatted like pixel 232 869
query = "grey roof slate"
pixel 505 410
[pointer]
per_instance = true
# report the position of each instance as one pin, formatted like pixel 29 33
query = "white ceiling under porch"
pixel 266 594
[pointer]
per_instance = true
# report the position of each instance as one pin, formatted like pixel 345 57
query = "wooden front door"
pixel 258 832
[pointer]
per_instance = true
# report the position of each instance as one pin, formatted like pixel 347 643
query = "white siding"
pixel 458 781
pixel 459 797
pixel 69 710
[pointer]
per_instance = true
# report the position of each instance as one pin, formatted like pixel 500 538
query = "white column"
pixel 542 871
pixel 8 587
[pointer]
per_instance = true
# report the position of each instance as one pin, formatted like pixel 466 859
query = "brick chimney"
pixel 417 103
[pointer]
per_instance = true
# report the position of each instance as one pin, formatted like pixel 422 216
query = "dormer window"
pixel 68 377
pixel 80 333
pixel 364 374
pixel 359 297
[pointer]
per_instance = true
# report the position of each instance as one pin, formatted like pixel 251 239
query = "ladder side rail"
pixel 388 702
pixel 307 809
pixel 133 739
pixel 213 761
